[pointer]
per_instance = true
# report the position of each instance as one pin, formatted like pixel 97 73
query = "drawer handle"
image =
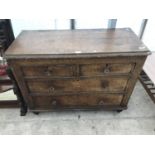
pixel 51 89
pixel 49 71
pixel 54 103
pixel 107 69
pixel 101 102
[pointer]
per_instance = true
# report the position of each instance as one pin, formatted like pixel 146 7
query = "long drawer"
pixel 110 84
pixel 52 102
pixel 76 70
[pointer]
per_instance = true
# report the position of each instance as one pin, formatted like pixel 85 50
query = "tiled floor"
pixel 139 118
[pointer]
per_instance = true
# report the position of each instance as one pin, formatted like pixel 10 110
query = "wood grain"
pixel 44 103
pixel 94 84
pixel 76 43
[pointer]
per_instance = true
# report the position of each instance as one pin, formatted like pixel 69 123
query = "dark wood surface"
pixel 61 43
pixel 94 81
pixel 9 104
pixel 6 34
pixel 6 38
pixel 17 91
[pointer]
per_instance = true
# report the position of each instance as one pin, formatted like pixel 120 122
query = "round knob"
pixel 48 71
pixel 107 68
pixel 51 89
pixel 54 103
pixel 101 102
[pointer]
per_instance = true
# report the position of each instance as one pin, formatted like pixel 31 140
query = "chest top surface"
pixel 70 43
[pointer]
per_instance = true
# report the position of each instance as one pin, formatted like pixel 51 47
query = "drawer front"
pixel 49 71
pixel 51 102
pixel 54 86
pixel 102 69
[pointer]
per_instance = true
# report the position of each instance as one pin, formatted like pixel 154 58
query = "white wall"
pixel 149 35
pixel 41 24
pixel 134 24
pixel 38 24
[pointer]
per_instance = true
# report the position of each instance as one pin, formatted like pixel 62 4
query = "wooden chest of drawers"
pixel 79 69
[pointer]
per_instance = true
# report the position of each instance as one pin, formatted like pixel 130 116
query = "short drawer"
pixel 109 84
pixel 51 102
pixel 102 69
pixel 48 71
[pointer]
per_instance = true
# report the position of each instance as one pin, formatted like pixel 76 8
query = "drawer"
pixel 102 69
pixel 93 84
pixel 48 71
pixel 51 102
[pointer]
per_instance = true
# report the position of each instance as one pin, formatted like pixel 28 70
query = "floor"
pixel 139 118
pixel 149 66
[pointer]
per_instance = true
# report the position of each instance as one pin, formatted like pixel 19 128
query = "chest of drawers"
pixel 79 69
